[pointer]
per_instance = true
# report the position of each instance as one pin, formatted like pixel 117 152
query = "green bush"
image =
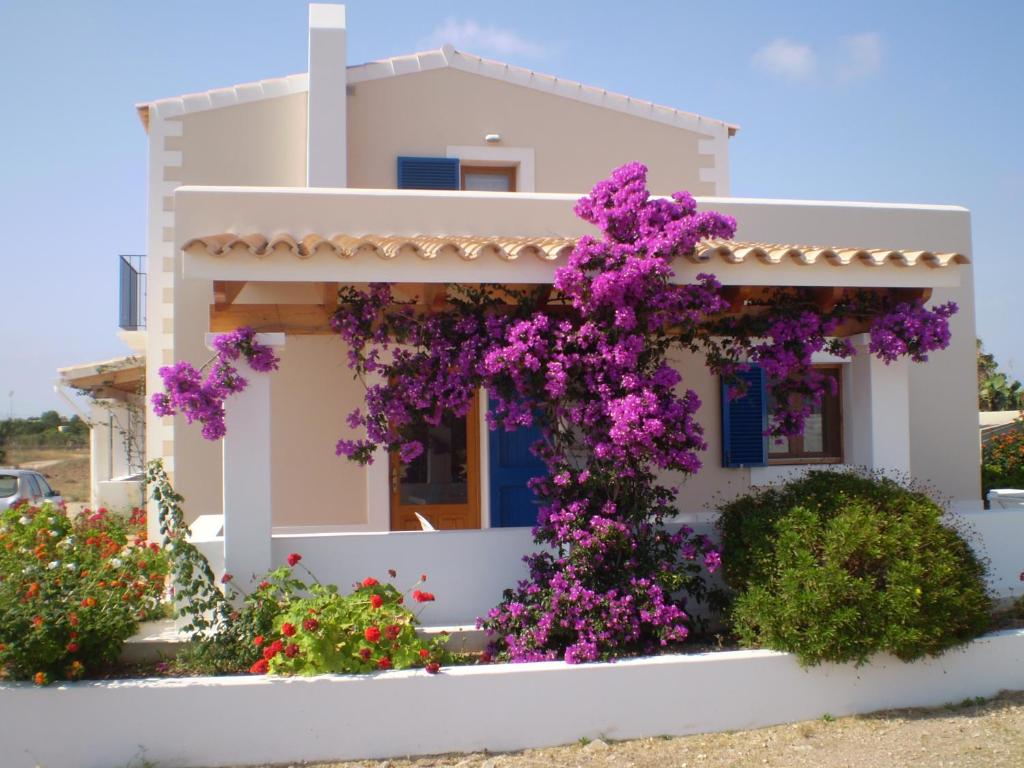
pixel 839 566
pixel 1002 461
pixel 72 589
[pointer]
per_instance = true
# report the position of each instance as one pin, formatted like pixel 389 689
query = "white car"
pixel 25 485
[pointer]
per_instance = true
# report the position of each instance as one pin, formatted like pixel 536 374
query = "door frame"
pixel 474 482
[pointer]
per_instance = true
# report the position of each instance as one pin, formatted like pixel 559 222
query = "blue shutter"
pixel 744 420
pixel 428 173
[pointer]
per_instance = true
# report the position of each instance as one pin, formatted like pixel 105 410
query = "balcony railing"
pixel 132 309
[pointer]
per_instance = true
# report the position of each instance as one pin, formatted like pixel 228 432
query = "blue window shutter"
pixel 744 421
pixel 428 173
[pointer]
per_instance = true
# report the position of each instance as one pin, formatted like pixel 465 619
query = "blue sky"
pixel 881 101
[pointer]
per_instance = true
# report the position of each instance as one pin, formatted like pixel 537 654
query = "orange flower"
pixel 39 678
pixel 37 621
pixel 33 589
pixel 89 602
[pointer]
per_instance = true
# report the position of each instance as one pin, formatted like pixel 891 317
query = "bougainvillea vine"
pixel 201 399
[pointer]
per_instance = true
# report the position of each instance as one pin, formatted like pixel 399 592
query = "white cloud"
pixel 469 35
pixel 786 59
pixel 862 57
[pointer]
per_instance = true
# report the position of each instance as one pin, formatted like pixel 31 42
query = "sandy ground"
pixel 973 734
pixel 66 470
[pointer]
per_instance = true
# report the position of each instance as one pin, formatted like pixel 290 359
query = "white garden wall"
pixel 239 720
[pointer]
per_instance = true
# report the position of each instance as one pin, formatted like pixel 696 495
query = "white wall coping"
pixel 498 707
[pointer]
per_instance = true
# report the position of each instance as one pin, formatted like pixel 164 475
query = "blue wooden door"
pixel 511 466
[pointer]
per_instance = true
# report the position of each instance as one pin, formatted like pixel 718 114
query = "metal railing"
pixel 132 305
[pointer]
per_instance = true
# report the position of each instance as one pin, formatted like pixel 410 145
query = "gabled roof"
pixel 444 58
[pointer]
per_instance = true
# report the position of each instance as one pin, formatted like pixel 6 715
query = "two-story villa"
pixel 443 167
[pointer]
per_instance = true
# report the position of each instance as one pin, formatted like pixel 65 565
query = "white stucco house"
pixel 444 167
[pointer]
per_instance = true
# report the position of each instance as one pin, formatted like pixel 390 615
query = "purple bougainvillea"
pixel 202 399
pixel 586 362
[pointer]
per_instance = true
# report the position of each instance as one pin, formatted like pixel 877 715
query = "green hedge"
pixel 838 566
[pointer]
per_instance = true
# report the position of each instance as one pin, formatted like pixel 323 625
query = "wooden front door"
pixel 443 483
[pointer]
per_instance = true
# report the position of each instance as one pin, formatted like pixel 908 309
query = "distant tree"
pixel 50 419
pixel 996 390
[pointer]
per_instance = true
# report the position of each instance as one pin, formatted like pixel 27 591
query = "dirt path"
pixel 987 734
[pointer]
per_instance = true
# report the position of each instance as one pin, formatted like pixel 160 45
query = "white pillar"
pixel 248 474
pixel 326 143
pixel 880 404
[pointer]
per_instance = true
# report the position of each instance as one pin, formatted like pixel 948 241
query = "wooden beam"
pixel 330 301
pixel 300 319
pixel 825 299
pixel 226 291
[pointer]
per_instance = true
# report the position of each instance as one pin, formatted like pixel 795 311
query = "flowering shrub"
pixel 72 589
pixel 587 364
pixel 371 629
pixel 286 625
pixel 839 566
pixel 1002 460
pixel 202 399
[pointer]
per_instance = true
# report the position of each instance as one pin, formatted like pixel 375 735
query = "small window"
pixel 44 486
pixel 8 486
pixel 822 440
pixel 33 486
pixel 485 178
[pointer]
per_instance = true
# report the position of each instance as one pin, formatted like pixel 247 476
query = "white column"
pixel 248 474
pixel 326 144
pixel 880 403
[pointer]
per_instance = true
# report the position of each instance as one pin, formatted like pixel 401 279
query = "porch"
pixel 273 259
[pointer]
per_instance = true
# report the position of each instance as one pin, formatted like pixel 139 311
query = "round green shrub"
pixel 837 566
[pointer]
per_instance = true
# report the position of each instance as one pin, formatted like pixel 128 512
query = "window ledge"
pixel 781 473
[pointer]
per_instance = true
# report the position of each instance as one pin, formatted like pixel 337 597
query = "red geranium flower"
pixel 433 668
pixel 485 658
pixel 287 629
pixel 310 625
pixel 226 578
pixel 391 631
pixel 369 581
pixel 364 654
pixel 272 650
pixel 392 572
pixel 424 653
pixel 372 635
pixel 291 651
pixel 376 601
pixel 264 585
pixel 422 597
pixel 293 559
pixel 384 663
pixel 258 640
pixel 72 647
pixel 259 668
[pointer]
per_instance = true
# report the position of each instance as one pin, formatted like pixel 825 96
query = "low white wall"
pixel 239 720
pixel 997 536
pixel 466 570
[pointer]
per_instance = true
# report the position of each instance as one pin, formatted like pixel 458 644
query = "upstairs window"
pixel 449 173
pixel 486 178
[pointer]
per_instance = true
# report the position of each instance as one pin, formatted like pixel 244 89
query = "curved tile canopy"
pixel 470 248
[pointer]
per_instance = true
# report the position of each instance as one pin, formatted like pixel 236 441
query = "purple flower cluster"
pixel 911 329
pixel 202 399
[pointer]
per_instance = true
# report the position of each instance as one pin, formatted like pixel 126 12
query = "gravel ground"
pixel 973 734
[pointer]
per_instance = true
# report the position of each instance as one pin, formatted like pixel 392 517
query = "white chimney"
pixel 326 142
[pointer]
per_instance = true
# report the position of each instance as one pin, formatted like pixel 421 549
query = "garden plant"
pixel 837 566
pixel 73 589
pixel 287 625
pixel 587 363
